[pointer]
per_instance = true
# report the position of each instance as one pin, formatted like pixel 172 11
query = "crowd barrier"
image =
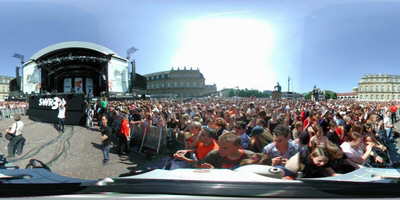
pixel 7 113
pixel 154 138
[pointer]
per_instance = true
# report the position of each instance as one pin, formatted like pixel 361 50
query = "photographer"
pixel 17 141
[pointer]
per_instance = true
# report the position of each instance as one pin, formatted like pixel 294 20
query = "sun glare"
pixel 230 52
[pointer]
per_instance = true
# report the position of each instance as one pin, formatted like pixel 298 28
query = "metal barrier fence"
pixel 7 113
pixel 154 138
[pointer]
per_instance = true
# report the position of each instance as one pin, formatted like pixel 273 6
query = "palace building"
pixel 379 87
pixel 179 83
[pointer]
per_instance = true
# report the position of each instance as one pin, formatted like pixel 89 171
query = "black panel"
pixel 74 114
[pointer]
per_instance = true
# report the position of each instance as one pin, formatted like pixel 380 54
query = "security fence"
pixel 154 138
pixel 7 113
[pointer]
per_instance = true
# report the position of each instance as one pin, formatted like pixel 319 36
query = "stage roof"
pixel 73 44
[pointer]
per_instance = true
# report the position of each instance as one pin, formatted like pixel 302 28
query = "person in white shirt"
pixel 61 117
pixel 388 126
pixel 357 151
pixel 17 141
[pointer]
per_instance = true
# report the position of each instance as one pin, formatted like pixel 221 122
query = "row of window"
pixel 156 77
pixel 347 97
pixel 4 81
pixel 381 88
pixel 4 88
pixel 381 80
pixel 379 96
pixel 174 84
pixel 165 76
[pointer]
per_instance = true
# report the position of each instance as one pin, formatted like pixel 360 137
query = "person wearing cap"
pixel 259 137
pixel 17 141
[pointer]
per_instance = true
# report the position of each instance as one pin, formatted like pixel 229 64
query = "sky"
pixel 247 44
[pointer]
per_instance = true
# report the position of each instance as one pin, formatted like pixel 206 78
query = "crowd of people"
pixel 303 138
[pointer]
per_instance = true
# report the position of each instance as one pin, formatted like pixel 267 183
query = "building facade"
pixel 347 95
pixel 178 83
pixel 5 87
pixel 379 87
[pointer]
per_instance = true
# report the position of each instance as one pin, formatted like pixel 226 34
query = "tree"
pixel 330 94
pixel 231 93
pixel 307 95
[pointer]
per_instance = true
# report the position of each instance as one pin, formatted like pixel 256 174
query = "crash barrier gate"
pixel 154 138
pixel 7 113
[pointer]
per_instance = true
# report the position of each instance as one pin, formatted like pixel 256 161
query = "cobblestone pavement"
pixel 74 153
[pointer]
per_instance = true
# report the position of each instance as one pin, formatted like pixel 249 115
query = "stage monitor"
pixel 32 79
pixel 118 76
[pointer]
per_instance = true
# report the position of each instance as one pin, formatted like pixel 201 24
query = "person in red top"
pixel 393 110
pixel 191 137
pixel 125 134
pixel 205 144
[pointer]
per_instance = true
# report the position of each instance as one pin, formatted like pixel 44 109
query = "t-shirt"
pixel 273 152
pixel 353 154
pixel 393 109
pixel 108 132
pixel 387 121
pixel 61 113
pixel 103 104
pixel 202 150
pixel 244 141
pixel 18 126
pixel 135 117
pixel 125 129
pixel 221 162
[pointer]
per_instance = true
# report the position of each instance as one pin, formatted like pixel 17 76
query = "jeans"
pixel 15 145
pixel 20 145
pixel 123 144
pixel 89 122
pixel 106 151
pixel 389 134
pixel 394 118
pixel 61 124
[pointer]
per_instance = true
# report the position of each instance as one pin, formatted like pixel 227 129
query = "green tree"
pixel 330 94
pixel 307 96
pixel 231 93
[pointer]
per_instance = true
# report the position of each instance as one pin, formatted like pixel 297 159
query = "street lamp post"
pixel 129 53
pixel 18 79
